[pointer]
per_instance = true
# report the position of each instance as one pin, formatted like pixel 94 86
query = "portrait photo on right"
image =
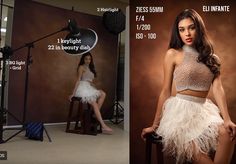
pixel 182 83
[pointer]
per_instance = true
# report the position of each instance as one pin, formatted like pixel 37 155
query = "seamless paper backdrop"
pixel 52 75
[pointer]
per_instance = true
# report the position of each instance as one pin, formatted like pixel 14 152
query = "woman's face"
pixel 187 31
pixel 87 60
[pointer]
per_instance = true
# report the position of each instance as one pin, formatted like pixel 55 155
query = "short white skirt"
pixel 189 124
pixel 87 92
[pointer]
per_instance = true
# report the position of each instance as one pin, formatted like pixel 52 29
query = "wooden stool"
pixel 233 160
pixel 85 121
pixel 153 138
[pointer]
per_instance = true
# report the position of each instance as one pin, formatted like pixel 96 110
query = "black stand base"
pixel 49 138
pixel 15 134
pixel 118 113
pixel 21 129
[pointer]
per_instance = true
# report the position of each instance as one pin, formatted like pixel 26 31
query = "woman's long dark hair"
pixel 91 65
pixel 201 43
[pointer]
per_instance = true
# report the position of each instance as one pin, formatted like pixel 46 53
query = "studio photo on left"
pixel 64 79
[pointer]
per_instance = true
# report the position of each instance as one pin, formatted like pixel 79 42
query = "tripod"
pixel 119 110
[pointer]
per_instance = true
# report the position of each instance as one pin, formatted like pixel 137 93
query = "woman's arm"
pixel 220 98
pixel 80 72
pixel 169 64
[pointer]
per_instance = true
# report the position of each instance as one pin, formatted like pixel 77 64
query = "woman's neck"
pixel 86 65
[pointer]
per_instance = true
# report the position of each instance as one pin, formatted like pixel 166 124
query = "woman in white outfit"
pixel 190 124
pixel 84 88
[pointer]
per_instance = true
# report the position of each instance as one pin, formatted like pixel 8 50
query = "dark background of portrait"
pixel 52 75
pixel 147 61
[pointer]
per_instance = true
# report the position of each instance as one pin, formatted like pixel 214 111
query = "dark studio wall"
pixel 147 61
pixel 52 75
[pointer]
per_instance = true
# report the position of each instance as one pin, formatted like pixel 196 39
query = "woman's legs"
pixel 225 147
pixel 101 99
pixel 99 117
pixel 203 159
pixel 224 150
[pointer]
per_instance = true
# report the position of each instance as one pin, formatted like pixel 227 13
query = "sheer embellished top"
pixel 87 75
pixel 191 74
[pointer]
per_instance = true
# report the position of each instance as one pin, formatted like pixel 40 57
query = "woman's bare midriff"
pixel 202 94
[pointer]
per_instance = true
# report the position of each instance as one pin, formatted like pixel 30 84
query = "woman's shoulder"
pixel 173 53
pixel 82 68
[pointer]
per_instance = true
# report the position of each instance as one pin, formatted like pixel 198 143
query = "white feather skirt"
pixel 87 92
pixel 189 125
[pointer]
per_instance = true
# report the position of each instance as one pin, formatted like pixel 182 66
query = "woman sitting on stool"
pixel 190 124
pixel 87 92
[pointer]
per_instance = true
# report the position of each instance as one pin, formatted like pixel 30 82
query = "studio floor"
pixel 68 148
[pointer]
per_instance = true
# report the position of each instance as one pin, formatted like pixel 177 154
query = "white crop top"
pixel 87 75
pixel 191 74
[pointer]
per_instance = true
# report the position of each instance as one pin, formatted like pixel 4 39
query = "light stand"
pixel 118 116
pixel 6 51
pixel 5 56
pixel 114 22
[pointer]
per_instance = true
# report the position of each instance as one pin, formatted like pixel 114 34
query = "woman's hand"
pixel 231 128
pixel 92 84
pixel 70 97
pixel 146 131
